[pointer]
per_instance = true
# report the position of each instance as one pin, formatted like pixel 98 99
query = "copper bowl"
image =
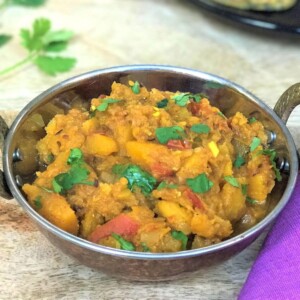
pixel 224 94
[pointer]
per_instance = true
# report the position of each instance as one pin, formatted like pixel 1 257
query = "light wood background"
pixel 118 32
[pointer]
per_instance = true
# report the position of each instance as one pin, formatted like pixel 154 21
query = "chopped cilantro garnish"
pixel 4 38
pixel 244 188
pixel 239 161
pixel 136 87
pixel 163 103
pixel 251 201
pixel 272 155
pixel 180 236
pixel 38 202
pixel 165 185
pixel 77 173
pixel 145 247
pixel 125 245
pixel 136 177
pixel 200 184
pixel 221 115
pixel 255 143
pixel 104 105
pixel 252 120
pixel 232 180
pixel 164 134
pixel 183 98
pixel 200 128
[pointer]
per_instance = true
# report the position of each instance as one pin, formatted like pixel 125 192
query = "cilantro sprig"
pixel 255 143
pixel 77 174
pixel 162 103
pixel 164 134
pixel 41 42
pixel 200 128
pixel 272 156
pixel 136 177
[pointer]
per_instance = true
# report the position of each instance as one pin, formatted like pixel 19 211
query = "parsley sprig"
pixel 40 42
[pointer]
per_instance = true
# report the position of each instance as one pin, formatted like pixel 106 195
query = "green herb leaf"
pixel 75 156
pixel 104 105
pixel 232 180
pixel 77 173
pixel 37 202
pixel 165 185
pixel 244 188
pixel 180 236
pixel 136 177
pixel 125 245
pixel 145 247
pixel 163 103
pixel 28 2
pixel 239 161
pixel 164 134
pixel 57 36
pixel 136 88
pixel 181 99
pixel 272 155
pixel 56 46
pixel 53 65
pixel 200 128
pixel 251 201
pixel 4 39
pixel 200 184
pixel 222 115
pixel 252 120
pixel 255 143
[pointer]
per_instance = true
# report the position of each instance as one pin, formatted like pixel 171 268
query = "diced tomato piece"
pixel 194 108
pixel 179 144
pixel 122 225
pixel 161 170
pixel 195 199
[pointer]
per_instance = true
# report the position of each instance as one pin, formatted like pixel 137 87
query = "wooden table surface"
pixel 118 32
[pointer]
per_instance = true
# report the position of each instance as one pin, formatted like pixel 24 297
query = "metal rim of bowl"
pixel 7 165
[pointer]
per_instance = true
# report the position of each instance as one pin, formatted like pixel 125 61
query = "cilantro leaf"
pixel 183 98
pixel 252 120
pixel 232 180
pixel 37 202
pixel 165 185
pixel 199 184
pixel 76 155
pixel 239 161
pixel 180 236
pixel 272 155
pixel 4 38
pixel 125 245
pixel 54 65
pixel 77 173
pixel 244 188
pixel 56 46
pixel 145 247
pixel 251 201
pixel 255 143
pixel 104 105
pixel 136 87
pixel 222 115
pixel 136 177
pixel 163 103
pixel 57 36
pixel 28 2
pixel 164 134
pixel 200 128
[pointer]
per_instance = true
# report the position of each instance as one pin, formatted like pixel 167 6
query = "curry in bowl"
pixel 153 171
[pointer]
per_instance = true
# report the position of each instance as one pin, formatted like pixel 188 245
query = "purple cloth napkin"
pixel 276 272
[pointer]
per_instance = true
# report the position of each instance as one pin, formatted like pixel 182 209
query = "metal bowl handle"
pixel 287 102
pixel 4 190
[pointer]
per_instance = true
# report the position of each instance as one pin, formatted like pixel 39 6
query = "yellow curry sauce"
pixel 153 171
